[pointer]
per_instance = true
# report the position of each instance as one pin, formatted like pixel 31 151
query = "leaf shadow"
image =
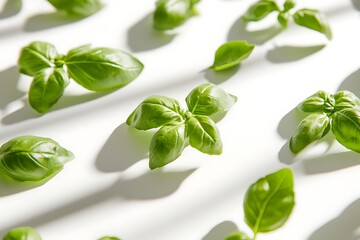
pixel 8 187
pixel 221 76
pixel 345 227
pixel 11 8
pixel 49 20
pixel 143 37
pixel 9 91
pixel 124 148
pixel 291 53
pixel 220 231
pixel 352 83
pixel 356 4
pixel 152 185
pixel 239 30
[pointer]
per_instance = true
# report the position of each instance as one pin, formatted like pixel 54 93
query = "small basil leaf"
pixel 268 202
pixel 320 102
pixel 109 238
pixel 80 8
pixel 154 112
pixel 204 135
pixel 313 19
pixel 346 128
pixel 22 233
pixel 283 18
pixel 288 5
pixel 231 54
pixel 346 99
pixel 260 10
pixel 35 57
pixel 102 69
pixel 238 236
pixel 46 88
pixel 32 159
pixel 167 145
pixel 210 100
pixel 170 14
pixel 312 128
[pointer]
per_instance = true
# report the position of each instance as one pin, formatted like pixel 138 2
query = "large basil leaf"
pixel 46 88
pixel 36 56
pixel 102 69
pixel 154 112
pixel 313 19
pixel 312 128
pixel 204 135
pixel 167 145
pixel 320 102
pixel 81 8
pixel 170 14
pixel 238 236
pixel 231 54
pixel 22 233
pixel 32 158
pixel 346 99
pixel 210 100
pixel 346 128
pixel 260 10
pixel 268 202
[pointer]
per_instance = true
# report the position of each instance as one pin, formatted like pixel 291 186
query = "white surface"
pixel 109 190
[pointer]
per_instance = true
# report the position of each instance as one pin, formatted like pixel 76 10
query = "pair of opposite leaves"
pixel 268 204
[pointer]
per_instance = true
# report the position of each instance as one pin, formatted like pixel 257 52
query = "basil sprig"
pixel 96 69
pixel 179 127
pixel 82 8
pixel 309 18
pixel 339 113
pixel 170 14
pixel 268 204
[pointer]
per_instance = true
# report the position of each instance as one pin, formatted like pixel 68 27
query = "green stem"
pixel 255 234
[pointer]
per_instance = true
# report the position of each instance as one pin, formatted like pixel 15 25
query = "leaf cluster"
pixel 178 127
pixel 96 69
pixel 339 113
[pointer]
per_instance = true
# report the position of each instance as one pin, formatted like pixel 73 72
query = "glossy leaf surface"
pixel 320 102
pixel 260 10
pixel 346 99
pixel 32 158
pixel 22 233
pixel 81 8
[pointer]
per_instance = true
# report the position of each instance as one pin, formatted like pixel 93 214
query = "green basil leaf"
pixel 346 99
pixel 102 69
pixel 109 238
pixel 210 100
pixel 231 54
pixel 22 233
pixel 238 236
pixel 32 159
pixel 260 10
pixel 204 135
pixel 268 202
pixel 283 18
pixel 288 5
pixel 313 19
pixel 170 14
pixel 36 56
pixel 81 8
pixel 154 112
pixel 167 145
pixel 320 102
pixel 312 128
pixel 346 128
pixel 46 88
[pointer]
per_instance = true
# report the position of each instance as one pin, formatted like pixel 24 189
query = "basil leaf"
pixel 32 159
pixel 320 102
pixel 46 88
pixel 231 54
pixel 346 128
pixel 346 99
pixel 204 135
pixel 81 8
pixel 154 112
pixel 283 18
pixel 167 145
pixel 210 100
pixel 238 236
pixel 260 10
pixel 170 14
pixel 268 202
pixel 102 69
pixel 109 238
pixel 312 128
pixel 35 57
pixel 22 233
pixel 313 19
pixel 288 5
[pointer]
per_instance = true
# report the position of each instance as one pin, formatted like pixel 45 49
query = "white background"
pixel 109 190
